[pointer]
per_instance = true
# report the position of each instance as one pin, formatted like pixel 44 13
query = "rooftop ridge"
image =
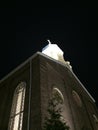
pixel 61 63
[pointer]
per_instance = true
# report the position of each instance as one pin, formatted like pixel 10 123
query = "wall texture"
pixel 42 74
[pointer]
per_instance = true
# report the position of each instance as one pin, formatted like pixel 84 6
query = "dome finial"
pixel 49 41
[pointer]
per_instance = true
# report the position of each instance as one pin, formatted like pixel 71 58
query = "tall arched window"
pixel 16 117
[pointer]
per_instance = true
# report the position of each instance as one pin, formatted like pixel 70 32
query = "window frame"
pixel 17 108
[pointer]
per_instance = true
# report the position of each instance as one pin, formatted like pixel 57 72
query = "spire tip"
pixel 49 41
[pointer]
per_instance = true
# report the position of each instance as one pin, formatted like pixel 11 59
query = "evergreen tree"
pixel 54 120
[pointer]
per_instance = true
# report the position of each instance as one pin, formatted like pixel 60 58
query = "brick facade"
pixel 41 75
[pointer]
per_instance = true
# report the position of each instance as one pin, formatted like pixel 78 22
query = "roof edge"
pixel 18 67
pixel 40 53
pixel 72 74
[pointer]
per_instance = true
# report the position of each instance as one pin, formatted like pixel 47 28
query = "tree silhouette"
pixel 54 120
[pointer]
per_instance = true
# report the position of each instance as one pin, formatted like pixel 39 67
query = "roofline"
pixel 18 67
pixel 61 63
pixel 83 87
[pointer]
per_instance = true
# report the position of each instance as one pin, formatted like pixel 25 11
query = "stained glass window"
pixel 16 117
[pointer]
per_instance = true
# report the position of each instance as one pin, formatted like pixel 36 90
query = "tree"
pixel 54 120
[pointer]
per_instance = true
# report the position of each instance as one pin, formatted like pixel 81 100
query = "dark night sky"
pixel 74 29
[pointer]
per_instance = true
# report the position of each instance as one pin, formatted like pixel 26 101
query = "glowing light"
pixel 16 118
pixel 55 52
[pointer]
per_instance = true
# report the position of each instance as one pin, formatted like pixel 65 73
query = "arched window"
pixel 16 116
pixel 77 98
pixel 95 118
pixel 58 95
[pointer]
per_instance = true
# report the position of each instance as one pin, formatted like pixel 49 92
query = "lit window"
pixel 16 116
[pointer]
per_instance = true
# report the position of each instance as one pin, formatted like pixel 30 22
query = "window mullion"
pixel 17 108
pixel 20 113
